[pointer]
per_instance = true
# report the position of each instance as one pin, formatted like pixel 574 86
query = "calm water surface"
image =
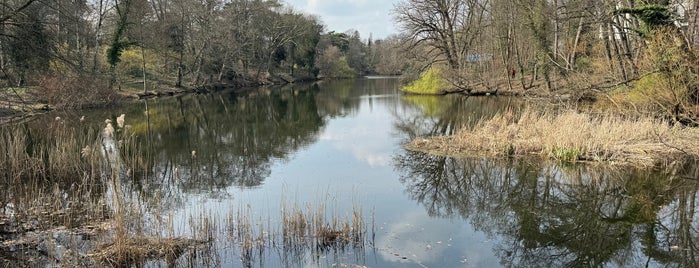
pixel 339 144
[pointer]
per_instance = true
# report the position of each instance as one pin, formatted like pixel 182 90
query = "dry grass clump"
pixel 56 152
pixel 570 136
pixel 137 250
pixel 303 231
pixel 315 228
pixel 50 176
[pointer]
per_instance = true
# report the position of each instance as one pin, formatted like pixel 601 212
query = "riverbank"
pixel 17 104
pixel 570 136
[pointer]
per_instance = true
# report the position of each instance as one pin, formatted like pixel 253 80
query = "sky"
pixel 366 16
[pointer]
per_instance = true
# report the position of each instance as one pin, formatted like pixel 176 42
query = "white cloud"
pixel 371 151
pixel 368 17
pixel 312 6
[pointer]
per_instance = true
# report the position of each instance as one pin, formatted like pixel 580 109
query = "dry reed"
pixel 303 230
pixel 56 178
pixel 137 250
pixel 49 177
pixel 315 228
pixel 129 245
pixel 570 136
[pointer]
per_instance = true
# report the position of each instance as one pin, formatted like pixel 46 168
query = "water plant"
pixel 566 154
pixel 302 230
pixel 571 136
pixel 62 195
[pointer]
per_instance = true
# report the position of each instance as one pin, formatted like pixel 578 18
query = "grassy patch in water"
pixel 570 136
pixel 137 250
pixel 302 230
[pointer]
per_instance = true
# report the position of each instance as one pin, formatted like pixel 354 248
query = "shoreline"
pixel 16 109
pixel 569 136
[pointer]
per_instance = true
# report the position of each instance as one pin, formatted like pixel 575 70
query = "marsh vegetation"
pixel 229 178
pixel 246 180
pixel 571 136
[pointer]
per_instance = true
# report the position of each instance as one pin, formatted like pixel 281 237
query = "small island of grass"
pixel 570 136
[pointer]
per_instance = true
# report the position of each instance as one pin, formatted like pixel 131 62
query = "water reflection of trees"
pixel 552 216
pixel 444 115
pixel 343 97
pixel 206 143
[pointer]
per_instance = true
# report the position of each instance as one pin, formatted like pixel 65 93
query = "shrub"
pixel 131 63
pixel 673 87
pixel 341 69
pixel 67 92
pixel 430 82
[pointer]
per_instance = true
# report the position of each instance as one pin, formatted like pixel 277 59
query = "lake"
pixel 229 157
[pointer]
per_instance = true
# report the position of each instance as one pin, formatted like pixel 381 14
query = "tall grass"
pixel 54 152
pixel 571 136
pixel 313 227
pixel 50 175
pixel 302 230
pixel 76 181
pixel 66 177
pixel 131 243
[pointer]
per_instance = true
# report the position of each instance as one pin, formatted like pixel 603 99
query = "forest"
pixel 79 52
pixel 640 55
pixel 591 140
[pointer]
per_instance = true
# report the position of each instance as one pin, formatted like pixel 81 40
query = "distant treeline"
pixel 646 48
pixel 184 43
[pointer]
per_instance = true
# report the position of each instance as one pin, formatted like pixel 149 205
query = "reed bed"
pixel 67 187
pixel 51 177
pixel 62 200
pixel 130 245
pixel 570 136
pixel 302 230
pixel 313 227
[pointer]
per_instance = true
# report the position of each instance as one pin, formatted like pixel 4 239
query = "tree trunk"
pixel 98 32
pixel 693 23
pixel 573 53
pixel 607 48
pixel 625 46
pixel 180 66
pixel 555 30
pixel 143 62
pixel 220 72
pixel 615 46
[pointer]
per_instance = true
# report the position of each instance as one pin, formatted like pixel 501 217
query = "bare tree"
pixel 450 27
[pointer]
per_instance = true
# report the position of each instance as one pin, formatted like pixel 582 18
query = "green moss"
pixel 431 82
